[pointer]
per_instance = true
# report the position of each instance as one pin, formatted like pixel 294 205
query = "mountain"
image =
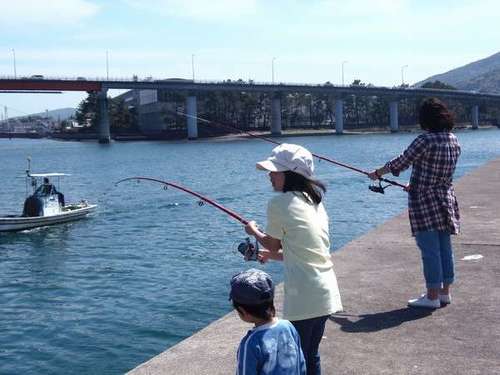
pixel 60 114
pixel 482 75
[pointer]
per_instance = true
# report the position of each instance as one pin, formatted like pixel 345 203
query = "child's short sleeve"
pixel 275 226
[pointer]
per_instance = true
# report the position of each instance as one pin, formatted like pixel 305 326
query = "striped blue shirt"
pixel 271 349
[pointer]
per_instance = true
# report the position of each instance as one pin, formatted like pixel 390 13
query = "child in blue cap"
pixel 272 347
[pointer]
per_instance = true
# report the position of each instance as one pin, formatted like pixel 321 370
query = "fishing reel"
pixel 378 188
pixel 249 250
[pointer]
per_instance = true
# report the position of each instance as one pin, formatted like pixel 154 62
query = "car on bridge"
pixel 174 80
pixel 36 76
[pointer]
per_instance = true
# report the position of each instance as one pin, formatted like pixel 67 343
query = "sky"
pixel 306 41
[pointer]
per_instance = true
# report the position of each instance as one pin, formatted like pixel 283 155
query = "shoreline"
pixel 303 132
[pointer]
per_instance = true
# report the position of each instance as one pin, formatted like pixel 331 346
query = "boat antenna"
pixel 203 198
pixel 375 188
pixel 28 174
pixel 28 170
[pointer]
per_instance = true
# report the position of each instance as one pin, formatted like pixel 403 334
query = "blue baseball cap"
pixel 251 287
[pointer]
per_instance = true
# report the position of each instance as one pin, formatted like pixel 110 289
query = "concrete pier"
pixel 393 116
pixel 192 113
pixel 475 116
pixel 276 115
pixel 104 135
pixel 377 333
pixel 339 116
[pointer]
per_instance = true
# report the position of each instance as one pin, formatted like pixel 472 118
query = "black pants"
pixel 311 332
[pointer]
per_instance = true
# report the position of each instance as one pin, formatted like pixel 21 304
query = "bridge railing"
pixel 252 83
pixel 156 79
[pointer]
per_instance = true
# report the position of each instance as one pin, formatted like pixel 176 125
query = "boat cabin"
pixel 45 200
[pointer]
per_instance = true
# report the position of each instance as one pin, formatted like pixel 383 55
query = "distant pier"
pixel 378 333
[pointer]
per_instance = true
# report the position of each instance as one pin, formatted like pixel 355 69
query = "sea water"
pixel 151 266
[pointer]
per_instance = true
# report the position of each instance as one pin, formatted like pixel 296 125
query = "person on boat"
pixel 47 188
pixel 297 233
pixel 432 204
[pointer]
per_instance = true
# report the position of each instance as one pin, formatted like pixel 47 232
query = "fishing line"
pixel 248 249
pixel 231 213
pixel 378 189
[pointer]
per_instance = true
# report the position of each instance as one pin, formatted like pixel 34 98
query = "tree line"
pixel 252 110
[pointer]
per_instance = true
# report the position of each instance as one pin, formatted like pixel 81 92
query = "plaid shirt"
pixel 432 204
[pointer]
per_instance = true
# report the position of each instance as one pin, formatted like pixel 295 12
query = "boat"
pixel 45 206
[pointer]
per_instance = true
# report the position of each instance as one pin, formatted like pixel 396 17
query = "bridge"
pixel 276 90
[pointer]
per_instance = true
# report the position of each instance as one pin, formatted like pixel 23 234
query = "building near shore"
pixel 28 125
pixel 157 110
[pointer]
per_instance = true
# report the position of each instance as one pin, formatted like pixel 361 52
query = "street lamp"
pixel 402 74
pixel 272 69
pixel 14 58
pixel 192 65
pixel 343 62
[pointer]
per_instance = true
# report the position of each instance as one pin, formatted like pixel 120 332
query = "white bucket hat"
pixel 289 157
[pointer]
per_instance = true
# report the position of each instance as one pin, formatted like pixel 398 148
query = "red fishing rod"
pixel 377 189
pixel 246 248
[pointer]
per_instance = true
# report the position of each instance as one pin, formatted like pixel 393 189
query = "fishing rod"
pixel 248 249
pixel 374 188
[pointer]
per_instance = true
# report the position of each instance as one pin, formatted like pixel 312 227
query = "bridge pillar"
pixel 393 116
pixel 192 113
pixel 276 115
pixel 475 116
pixel 339 116
pixel 103 125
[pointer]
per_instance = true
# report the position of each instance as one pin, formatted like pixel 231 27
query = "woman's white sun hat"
pixel 289 157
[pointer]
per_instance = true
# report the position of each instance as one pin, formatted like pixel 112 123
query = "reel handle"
pixel 249 250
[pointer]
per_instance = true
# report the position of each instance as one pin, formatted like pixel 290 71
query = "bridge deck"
pixel 338 91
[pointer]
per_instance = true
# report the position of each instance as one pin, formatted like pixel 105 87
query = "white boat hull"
pixel 69 213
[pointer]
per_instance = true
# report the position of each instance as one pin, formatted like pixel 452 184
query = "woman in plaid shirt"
pixel 432 205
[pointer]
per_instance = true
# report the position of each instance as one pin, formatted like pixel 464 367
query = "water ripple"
pixel 101 295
